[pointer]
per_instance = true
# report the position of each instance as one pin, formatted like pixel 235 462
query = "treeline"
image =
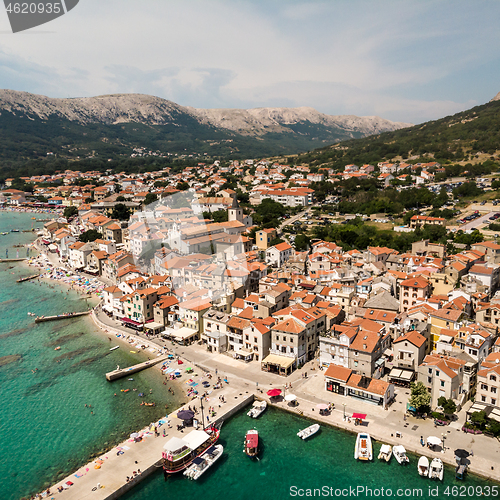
pixel 358 235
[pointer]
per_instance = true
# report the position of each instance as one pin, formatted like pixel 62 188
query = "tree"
pixel 90 235
pixel 182 186
pixel 150 198
pixel 275 241
pixel 70 212
pixel 478 418
pixel 301 242
pixel 220 216
pixel 448 405
pixel 420 396
pixel 121 198
pixel 120 212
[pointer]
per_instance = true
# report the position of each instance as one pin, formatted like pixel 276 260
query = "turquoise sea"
pixel 47 431
pixel 45 428
pixel 287 465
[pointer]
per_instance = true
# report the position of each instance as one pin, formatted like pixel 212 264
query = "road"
pixel 484 219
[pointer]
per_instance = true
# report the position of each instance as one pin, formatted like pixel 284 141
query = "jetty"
pixel 105 478
pixel 123 372
pixel 43 319
pixel 33 276
pixel 17 259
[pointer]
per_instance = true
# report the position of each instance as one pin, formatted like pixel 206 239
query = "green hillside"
pixel 454 138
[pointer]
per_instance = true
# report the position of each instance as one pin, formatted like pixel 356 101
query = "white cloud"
pixel 390 58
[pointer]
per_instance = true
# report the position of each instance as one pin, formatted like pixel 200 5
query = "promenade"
pixel 381 424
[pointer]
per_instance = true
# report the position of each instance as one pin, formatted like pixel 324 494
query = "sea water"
pixel 45 427
pixel 288 467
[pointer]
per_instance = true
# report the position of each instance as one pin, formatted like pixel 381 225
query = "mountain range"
pixel 114 125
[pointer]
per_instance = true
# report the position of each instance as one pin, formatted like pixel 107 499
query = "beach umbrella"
pixel 322 406
pixel 290 397
pixel 180 362
pixel 274 392
pixel 434 441
pixel 185 414
pixel 134 435
pixel 460 453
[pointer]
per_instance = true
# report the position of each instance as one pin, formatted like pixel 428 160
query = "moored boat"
pixel 258 408
pixel 178 454
pixel 363 449
pixel 252 443
pixel 113 348
pixel 436 470
pixel 308 431
pixel 201 464
pixel 385 452
pixel 423 466
pixel 399 453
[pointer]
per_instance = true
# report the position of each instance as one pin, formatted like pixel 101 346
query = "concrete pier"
pixel 19 259
pixel 144 456
pixel 43 319
pixel 124 372
pixel 21 280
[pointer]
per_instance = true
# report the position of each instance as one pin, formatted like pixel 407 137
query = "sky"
pixel 403 60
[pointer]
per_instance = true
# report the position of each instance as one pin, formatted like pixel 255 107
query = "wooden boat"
pixel 252 443
pixel 436 470
pixel 399 453
pixel 423 466
pixel 178 454
pixel 385 452
pixel 363 449
pixel 201 464
pixel 308 431
pixel 258 409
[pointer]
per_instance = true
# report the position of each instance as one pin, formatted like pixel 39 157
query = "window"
pixel 355 363
pixel 441 383
pixel 494 390
pixel 437 373
pixel 493 401
pixel 492 377
pixel 483 399
pixel 484 387
pixel 255 339
pixel 430 371
pixel 277 337
pixel 429 380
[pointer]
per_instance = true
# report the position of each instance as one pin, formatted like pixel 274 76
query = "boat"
pixel 113 348
pixel 436 470
pixel 363 449
pixel 201 464
pixel 308 431
pixel 178 454
pixel 423 466
pixel 14 230
pixel 460 471
pixel 4 233
pixel 385 452
pixel 252 443
pixel 258 409
pixel 399 453
pixel 58 348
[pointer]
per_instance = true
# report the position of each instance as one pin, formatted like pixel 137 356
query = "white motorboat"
pixel 201 464
pixel 385 452
pixel 436 470
pixel 113 348
pixel 423 466
pixel 399 453
pixel 308 431
pixel 258 409
pixel 363 449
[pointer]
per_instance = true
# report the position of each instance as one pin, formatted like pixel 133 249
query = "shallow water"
pixel 46 429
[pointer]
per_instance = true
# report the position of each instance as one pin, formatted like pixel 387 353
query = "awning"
pixel 153 326
pixel 361 416
pixel 53 247
pixel 107 307
pixel 405 375
pixel 183 333
pixel 131 321
pixel 196 438
pixel 243 351
pixel 282 361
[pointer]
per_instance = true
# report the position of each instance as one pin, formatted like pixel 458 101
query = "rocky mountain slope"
pixel 114 119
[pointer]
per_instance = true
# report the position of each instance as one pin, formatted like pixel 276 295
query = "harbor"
pixel 106 477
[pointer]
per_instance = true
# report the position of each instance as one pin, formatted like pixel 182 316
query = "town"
pixel 181 258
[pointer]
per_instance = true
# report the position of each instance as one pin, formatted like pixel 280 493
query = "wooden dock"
pixel 33 276
pixel 43 319
pixel 123 372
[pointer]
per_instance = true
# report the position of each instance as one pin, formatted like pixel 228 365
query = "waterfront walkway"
pixel 123 372
pixel 142 457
